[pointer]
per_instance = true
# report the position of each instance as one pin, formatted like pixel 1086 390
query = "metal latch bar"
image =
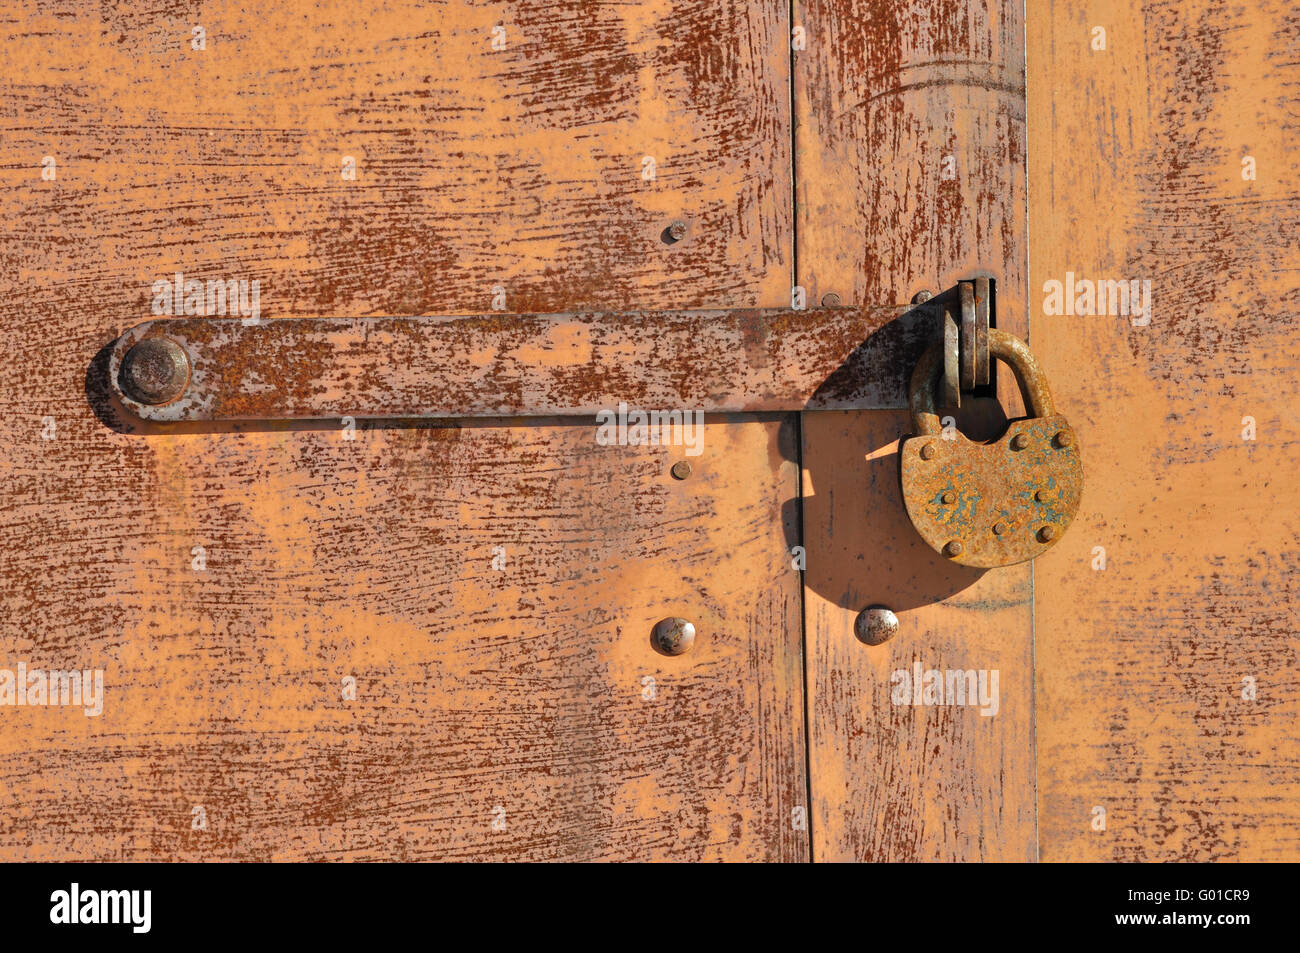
pixel 172 370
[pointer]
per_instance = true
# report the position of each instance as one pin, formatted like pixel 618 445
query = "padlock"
pixel 991 504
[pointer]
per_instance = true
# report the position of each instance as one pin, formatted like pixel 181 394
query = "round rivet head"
pixel 875 625
pixel 830 300
pixel 155 371
pixel 1041 496
pixel 949 497
pixel 1019 442
pixel 674 233
pixel 681 470
pixel 921 297
pixel 928 452
pixel 1063 439
pixel 1047 534
pixel 953 548
pixel 999 528
pixel 673 636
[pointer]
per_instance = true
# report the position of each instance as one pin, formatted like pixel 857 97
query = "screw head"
pixel 1019 442
pixel 674 232
pixel 1047 534
pixel 155 371
pixel 875 625
pixel 999 528
pixel 921 297
pixel 928 452
pixel 949 497
pixel 1063 438
pixel 681 470
pixel 830 300
pixel 673 636
pixel 953 548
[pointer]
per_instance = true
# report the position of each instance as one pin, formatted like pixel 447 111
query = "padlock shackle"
pixel 1002 345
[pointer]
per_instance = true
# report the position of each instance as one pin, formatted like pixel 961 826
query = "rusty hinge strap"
pixel 172 370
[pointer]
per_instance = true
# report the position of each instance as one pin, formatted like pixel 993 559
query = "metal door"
pixel 364 638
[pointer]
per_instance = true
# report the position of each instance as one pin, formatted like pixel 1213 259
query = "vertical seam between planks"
pixel 809 810
pixel 803 644
pixel 1029 334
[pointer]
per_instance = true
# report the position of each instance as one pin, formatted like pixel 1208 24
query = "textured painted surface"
pixel 910 168
pixel 1136 174
pixel 901 782
pixel 477 688
pixel 474 168
pixel 534 365
pixel 522 687
pixel 910 139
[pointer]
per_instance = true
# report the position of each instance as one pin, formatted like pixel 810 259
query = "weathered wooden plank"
pixel 490 589
pixel 520 168
pixel 910 148
pixel 910 169
pixel 1169 159
pixel 534 365
pixel 227 583
pixel 893 780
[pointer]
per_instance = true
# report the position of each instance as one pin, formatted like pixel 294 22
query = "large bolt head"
pixel 875 625
pixel 155 371
pixel 673 636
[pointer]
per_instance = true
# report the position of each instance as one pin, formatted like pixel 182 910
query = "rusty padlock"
pixel 994 504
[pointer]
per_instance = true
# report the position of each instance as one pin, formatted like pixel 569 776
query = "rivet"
pixel 949 497
pixel 674 233
pixel 953 548
pixel 1063 438
pixel 831 300
pixel 875 625
pixel 921 297
pixel 673 636
pixel 1041 496
pixel 999 528
pixel 681 470
pixel 928 452
pixel 1019 442
pixel 1047 534
pixel 155 371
